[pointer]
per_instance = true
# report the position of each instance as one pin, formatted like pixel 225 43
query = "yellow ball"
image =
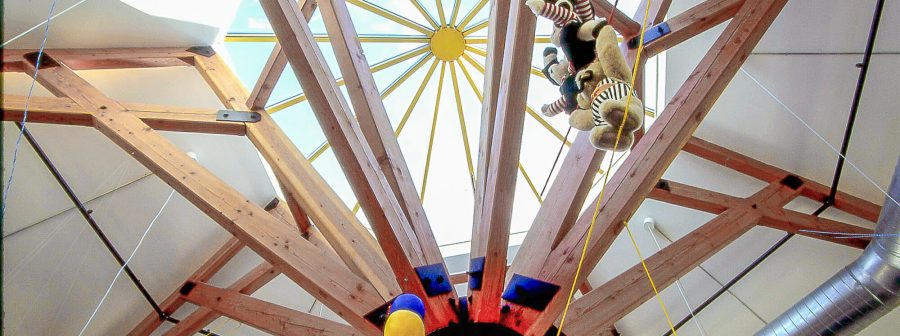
pixel 404 323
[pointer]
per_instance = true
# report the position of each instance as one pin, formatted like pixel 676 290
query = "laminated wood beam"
pixel 112 58
pixel 613 300
pixel 692 22
pixel 500 177
pixel 379 135
pixel 275 66
pixel 269 317
pixel 64 111
pixel 496 43
pixel 624 24
pixel 255 279
pixel 312 268
pixel 766 172
pixel 395 233
pixel 648 160
pixel 308 194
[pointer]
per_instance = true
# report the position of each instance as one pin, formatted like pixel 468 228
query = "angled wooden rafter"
pixel 692 22
pixel 119 58
pixel 323 276
pixel 624 24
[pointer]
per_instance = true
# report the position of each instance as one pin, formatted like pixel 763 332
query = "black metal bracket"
pixel 528 292
pixel 378 316
pixel 434 279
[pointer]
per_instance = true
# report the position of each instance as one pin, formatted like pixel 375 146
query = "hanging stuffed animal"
pixel 558 73
pixel 574 29
pixel 562 11
pixel 604 93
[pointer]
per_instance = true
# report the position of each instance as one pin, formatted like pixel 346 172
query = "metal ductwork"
pixel 859 294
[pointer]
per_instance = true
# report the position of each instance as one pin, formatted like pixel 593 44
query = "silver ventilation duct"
pixel 859 294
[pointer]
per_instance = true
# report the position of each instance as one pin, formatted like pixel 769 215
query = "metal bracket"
pixel 237 116
pixel 378 316
pixel 476 272
pixel 202 51
pixel 434 278
pixel 530 292
pixel 651 34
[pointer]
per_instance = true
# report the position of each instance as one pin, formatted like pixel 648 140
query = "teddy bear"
pixel 604 92
pixel 558 73
pixel 562 11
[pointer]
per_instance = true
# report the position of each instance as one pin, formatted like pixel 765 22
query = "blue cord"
pixel 37 66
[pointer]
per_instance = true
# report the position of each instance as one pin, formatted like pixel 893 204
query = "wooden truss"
pixel 313 238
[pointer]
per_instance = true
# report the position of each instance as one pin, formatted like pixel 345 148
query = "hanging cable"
pixel 49 18
pixel 650 225
pixel 37 67
pixel 141 241
pixel 555 161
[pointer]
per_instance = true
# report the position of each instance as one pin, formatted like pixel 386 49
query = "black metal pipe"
pixel 829 200
pixel 90 219
pixel 857 96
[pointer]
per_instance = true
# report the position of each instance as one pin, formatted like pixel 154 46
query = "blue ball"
pixel 409 302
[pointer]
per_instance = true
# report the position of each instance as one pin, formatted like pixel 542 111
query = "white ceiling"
pixel 51 242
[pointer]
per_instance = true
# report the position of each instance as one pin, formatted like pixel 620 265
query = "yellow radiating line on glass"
pixel 471 82
pixel 530 183
pixel 440 8
pixel 375 9
pixel 462 122
pixel 483 53
pixel 375 68
pixel 528 109
pixel 483 39
pixel 474 28
pixel 252 37
pixel 424 13
pixel 471 15
pixel 412 103
pixel 406 75
pixel 437 108
pixel 403 77
pixel 456 5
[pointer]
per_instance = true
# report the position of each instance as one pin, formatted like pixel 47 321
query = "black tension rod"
pixel 90 219
pixel 829 200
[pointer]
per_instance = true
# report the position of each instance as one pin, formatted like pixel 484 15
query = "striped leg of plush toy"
pixel 552 12
pixel 584 10
pixel 555 107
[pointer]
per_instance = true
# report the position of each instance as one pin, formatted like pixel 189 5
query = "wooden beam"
pixel 206 271
pixel 623 23
pixel 275 66
pixel 324 277
pixel 762 171
pixel 500 179
pixel 692 22
pixel 112 58
pixel 648 160
pixel 307 193
pixel 693 197
pixel 395 234
pixel 619 296
pixel 269 317
pixel 64 111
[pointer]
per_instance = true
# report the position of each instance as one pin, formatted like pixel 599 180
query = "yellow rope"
pixel 600 200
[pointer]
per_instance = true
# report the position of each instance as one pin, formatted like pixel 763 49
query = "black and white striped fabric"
pixel 608 88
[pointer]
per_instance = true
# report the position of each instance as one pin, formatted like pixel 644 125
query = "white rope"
pixel 652 230
pixel 141 241
pixel 791 111
pixel 14 38
pixel 37 67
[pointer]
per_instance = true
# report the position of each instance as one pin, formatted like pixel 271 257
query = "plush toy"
pixel 604 93
pixel 574 30
pixel 558 73
pixel 562 11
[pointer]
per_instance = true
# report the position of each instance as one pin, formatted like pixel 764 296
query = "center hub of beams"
pixel 448 44
pixel 477 329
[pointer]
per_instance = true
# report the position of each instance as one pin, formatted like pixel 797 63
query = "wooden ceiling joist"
pixel 501 175
pixel 624 24
pixel 692 22
pixel 649 159
pixel 269 317
pixel 327 279
pixel 396 235
pixel 113 58
pixel 614 299
pixel 307 193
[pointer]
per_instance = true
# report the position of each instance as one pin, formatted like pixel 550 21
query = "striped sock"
pixel 584 10
pixel 558 15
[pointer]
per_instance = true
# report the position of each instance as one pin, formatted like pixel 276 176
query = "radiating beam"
pixel 391 16
pixel 456 4
pixel 483 39
pixel 263 315
pixel 646 162
pixel 425 13
pixel 313 269
pixel 434 120
pixel 340 82
pixel 462 122
pixel 497 196
pixel 476 27
pixel 440 9
pixel 364 38
pixel 468 18
pixel 613 300
pixel 537 194
pixel 483 53
pixel 416 97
